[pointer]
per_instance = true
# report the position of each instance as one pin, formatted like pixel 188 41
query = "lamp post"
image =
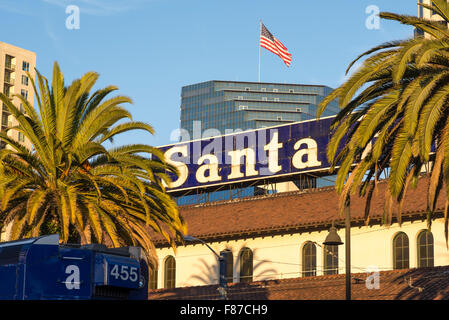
pixel 222 285
pixel 334 239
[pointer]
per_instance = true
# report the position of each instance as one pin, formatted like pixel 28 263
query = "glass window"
pixel 152 279
pixel 21 137
pixel 24 93
pixel 25 66
pixel 400 251
pixel 170 273
pixel 309 259
pixel 9 77
pixel 7 91
pixel 246 265
pixel 24 80
pixel 9 62
pixel 4 119
pixel 229 265
pixel 330 259
pixel 425 249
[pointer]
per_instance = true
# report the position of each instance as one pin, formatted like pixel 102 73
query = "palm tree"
pixel 70 182
pixel 394 116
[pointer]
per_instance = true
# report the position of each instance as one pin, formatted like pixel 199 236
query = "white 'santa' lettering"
pixel 250 163
pixel 272 148
pixel 124 273
pixel 182 168
pixel 311 152
pixel 73 280
pixel 242 162
pixel 211 167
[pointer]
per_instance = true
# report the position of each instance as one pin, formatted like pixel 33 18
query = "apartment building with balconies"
pixel 17 65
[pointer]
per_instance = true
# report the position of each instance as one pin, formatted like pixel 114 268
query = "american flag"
pixel 269 42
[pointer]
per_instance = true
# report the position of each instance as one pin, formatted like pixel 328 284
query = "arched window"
pixel 330 259
pixel 229 258
pixel 170 273
pixel 309 259
pixel 152 279
pixel 425 249
pixel 400 251
pixel 246 265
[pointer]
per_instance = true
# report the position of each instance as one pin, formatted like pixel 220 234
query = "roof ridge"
pixel 341 276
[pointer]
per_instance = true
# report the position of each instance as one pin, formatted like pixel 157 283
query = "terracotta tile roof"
pixel 289 211
pixel 407 284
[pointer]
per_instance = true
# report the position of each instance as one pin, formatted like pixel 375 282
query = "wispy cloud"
pixel 14 7
pixel 100 7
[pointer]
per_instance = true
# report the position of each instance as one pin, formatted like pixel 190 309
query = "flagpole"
pixel 260 32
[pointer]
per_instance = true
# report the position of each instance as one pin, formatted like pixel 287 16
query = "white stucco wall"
pixel 278 257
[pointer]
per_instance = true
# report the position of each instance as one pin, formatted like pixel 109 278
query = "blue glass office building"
pixel 227 106
pixel 249 105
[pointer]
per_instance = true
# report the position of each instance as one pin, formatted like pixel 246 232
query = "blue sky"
pixel 151 48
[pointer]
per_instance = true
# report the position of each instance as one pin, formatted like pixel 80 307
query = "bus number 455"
pixel 124 273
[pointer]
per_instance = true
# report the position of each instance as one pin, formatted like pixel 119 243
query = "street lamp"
pixel 334 239
pixel 222 285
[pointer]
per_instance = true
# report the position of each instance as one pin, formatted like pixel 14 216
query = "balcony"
pixel 6 123
pixel 8 93
pixel 5 109
pixel 9 81
pixel 10 66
